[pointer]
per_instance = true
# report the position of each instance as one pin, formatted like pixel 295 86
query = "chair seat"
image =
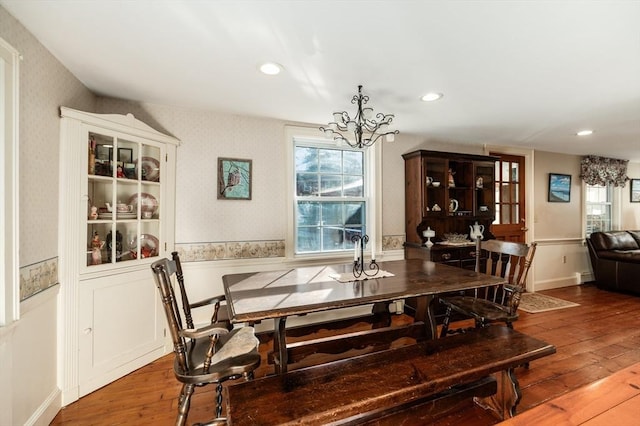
pixel 481 309
pixel 236 353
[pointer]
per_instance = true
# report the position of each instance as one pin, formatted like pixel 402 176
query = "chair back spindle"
pixel 503 259
pixel 163 269
pixel 211 354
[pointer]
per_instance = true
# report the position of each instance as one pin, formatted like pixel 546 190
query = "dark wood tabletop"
pixel 253 297
pixel 263 295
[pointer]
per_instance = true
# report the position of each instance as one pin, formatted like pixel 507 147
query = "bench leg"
pixel 503 403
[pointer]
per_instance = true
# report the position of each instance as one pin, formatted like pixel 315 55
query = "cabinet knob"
pixel 472 253
pixel 446 256
pixel 87 330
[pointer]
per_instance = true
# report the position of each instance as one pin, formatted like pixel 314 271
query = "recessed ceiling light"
pixel 432 96
pixel 585 132
pixel 270 68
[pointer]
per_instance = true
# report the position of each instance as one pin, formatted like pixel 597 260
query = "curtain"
pixel 602 171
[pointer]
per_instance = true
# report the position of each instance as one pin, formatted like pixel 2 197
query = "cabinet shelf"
pixel 474 203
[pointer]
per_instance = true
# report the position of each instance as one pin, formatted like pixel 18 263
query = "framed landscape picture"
pixel 234 179
pixel 635 191
pixel 559 188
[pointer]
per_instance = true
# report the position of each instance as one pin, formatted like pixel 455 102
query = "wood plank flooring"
pixel 593 340
pixel 613 400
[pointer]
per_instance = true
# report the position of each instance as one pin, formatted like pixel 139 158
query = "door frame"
pixel 528 155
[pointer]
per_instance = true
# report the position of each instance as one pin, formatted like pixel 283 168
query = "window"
pixel 330 196
pixel 598 208
pixel 9 290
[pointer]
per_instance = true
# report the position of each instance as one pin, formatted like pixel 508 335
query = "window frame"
pixel 9 211
pixel 614 193
pixel 312 136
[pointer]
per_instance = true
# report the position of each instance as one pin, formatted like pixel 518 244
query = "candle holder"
pixel 428 234
pixel 358 260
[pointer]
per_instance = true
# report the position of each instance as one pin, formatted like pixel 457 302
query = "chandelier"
pixel 365 129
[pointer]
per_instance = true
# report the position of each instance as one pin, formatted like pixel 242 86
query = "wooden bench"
pixel 360 389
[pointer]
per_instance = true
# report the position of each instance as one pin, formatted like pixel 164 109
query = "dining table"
pixel 256 296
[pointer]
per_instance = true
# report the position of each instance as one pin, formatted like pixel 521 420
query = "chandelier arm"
pixel 360 125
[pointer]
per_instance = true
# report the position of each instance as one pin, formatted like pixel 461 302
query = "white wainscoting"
pixel 560 262
pixel 28 385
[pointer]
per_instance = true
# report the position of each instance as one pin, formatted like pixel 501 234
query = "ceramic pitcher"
pixel 475 231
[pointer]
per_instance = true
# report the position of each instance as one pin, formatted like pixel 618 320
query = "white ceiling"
pixel 520 73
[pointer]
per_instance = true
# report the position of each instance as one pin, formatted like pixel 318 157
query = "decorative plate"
pixel 148 247
pixel 150 169
pixel 148 202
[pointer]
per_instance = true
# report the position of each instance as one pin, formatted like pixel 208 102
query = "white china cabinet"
pixel 117 206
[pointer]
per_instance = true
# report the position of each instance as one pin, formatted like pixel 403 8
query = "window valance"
pixel 602 171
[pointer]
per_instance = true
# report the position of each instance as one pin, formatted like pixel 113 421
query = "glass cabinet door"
pixel 124 195
pixel 434 186
pixel 484 185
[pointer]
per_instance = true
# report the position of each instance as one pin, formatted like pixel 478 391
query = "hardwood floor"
pixel 593 340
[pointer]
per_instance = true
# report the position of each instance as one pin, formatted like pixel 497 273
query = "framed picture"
pixel 559 188
pixel 103 152
pixel 635 191
pixel 234 179
pixel 125 155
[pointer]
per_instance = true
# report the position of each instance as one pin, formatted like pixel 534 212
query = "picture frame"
pixel 559 188
pixel 234 178
pixel 103 152
pixel 125 155
pixel 634 195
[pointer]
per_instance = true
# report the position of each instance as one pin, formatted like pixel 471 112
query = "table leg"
pixel 280 345
pixel 426 312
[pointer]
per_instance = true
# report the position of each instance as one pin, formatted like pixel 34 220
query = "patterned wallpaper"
pixel 45 85
pixel 253 228
pixel 212 229
pixel 205 136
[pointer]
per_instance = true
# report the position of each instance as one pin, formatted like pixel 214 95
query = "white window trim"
pixel 373 183
pixel 616 208
pixel 9 212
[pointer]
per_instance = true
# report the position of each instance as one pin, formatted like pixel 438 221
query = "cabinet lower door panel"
pixel 121 327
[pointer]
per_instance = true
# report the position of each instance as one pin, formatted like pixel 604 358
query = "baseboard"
pixel 584 277
pixel 47 411
pixel 555 283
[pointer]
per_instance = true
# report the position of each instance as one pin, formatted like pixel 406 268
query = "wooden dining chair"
pixel 494 304
pixel 208 355
pixel 219 313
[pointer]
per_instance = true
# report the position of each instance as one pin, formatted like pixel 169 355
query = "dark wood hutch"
pixel 472 185
pixel 465 195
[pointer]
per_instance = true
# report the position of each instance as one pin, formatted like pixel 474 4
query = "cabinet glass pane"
pixel 147 244
pixel 96 242
pixel 126 155
pixel 148 203
pixel 100 153
pixel 149 163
